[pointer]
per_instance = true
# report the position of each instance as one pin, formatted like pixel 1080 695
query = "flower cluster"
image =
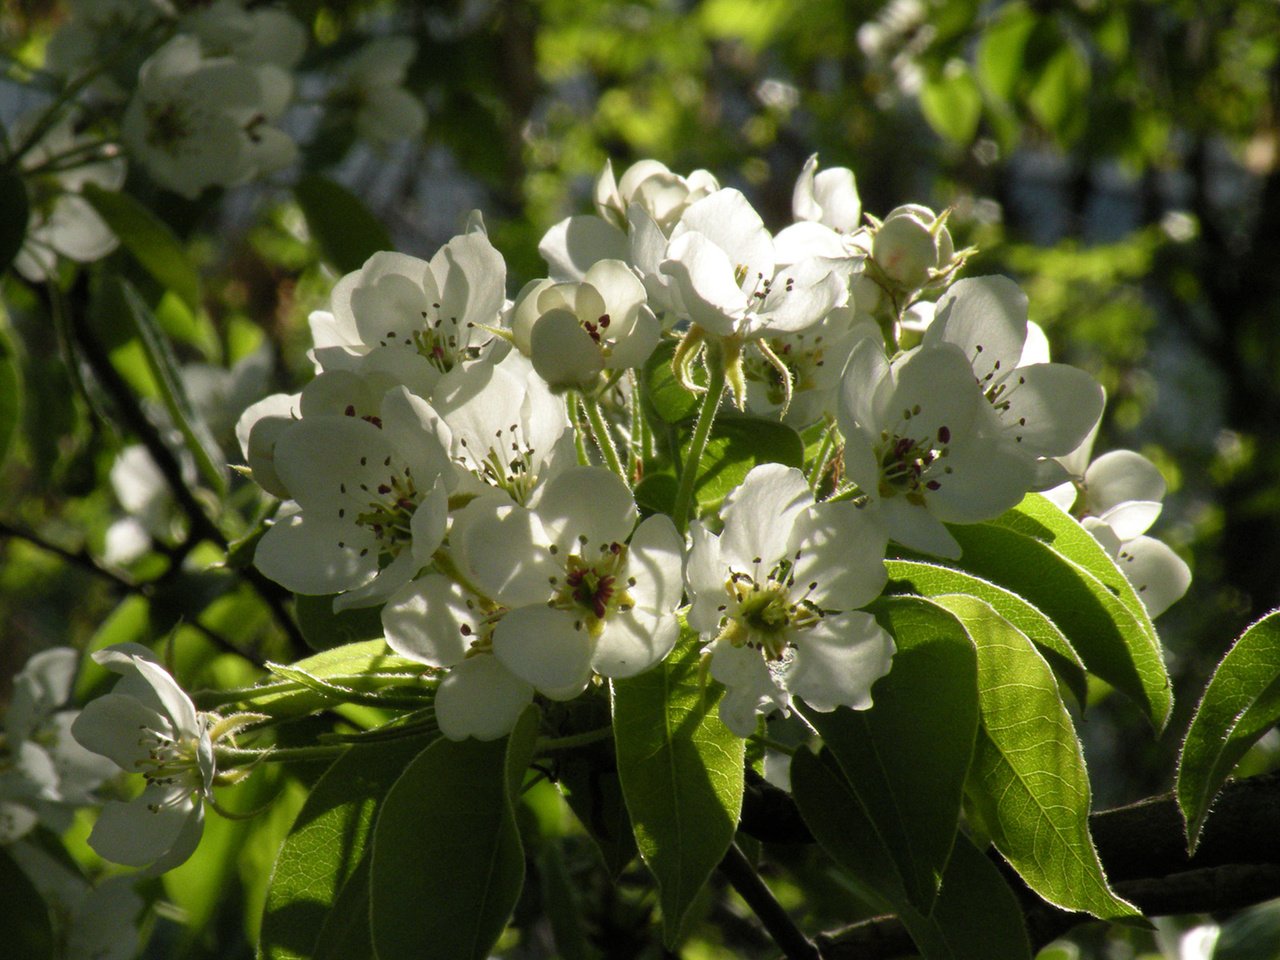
pixel 437 466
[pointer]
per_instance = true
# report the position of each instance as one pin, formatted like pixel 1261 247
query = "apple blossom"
pixel 775 594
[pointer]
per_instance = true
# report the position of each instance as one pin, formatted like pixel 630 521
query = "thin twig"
pixel 743 878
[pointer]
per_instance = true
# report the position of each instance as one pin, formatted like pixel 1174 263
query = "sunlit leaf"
pixel 1041 554
pixel 931 580
pixel 1029 780
pixel 1241 703
pixel 682 775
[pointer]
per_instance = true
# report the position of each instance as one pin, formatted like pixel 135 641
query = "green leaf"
pixel 931 580
pixel 24 918
pixel 682 775
pixel 1241 703
pixel 348 234
pixel 15 212
pixel 208 455
pixel 448 864
pixel 359 666
pixel 324 629
pixel 149 240
pixel 975 915
pixel 1002 50
pixel 323 860
pixel 1042 554
pixel 1029 780
pixel 10 388
pixel 952 103
pixel 908 756
pixel 662 392
pixel 737 443
pixel 1058 94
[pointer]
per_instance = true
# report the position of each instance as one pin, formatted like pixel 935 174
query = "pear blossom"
pixel 62 222
pixel 830 197
pixel 503 428
pixel 1039 410
pixel 438 621
pixel 1118 498
pixel 197 121
pixel 774 596
pixel 574 331
pixel 582 593
pixel 916 448
pixel 369 502
pixel 44 773
pixel 911 249
pixel 437 310
pixel 648 198
pixel 723 262
pixel 148 724
pixel 265 35
pixel 371 82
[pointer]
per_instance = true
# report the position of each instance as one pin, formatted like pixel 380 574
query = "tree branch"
pixel 744 879
pixel 1142 847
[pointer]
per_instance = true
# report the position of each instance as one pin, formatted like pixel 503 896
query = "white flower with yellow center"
pixel 436 309
pixel 915 446
pixel 774 598
pixel 582 593
pixel 148 725
pixel 369 502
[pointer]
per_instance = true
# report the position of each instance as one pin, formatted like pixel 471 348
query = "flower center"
pixel 594 588
pixel 168 125
pixel 909 466
pixel 170 762
pixel 508 462
pixel 764 616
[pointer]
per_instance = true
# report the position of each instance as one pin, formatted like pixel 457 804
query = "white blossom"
pixel 148 724
pixel 371 82
pixel 197 121
pixel 775 595
pixel 368 502
pixel 915 445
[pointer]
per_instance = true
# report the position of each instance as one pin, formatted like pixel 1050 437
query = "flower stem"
pixel 604 439
pixel 823 459
pixel 701 432
pixel 239 755
pixel 579 446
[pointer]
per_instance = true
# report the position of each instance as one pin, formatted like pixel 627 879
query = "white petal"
pixel 547 648
pixel 590 502
pixel 424 621
pixel 480 698
pixel 916 528
pixel 806 239
pixel 749 688
pixel 728 220
pixel 802 294
pixel 759 515
pixel 134 835
pixel 838 659
pixel 656 560
pixel 573 245
pixel 1121 475
pixel 704 276
pixel 563 352
pixel 986 317
pixel 1051 408
pixel 1159 575
pixel 310 556
pixel 506 550
pixel 115 726
pixel 1132 518
pixel 472 278
pixel 837 192
pixel 841 550
pixel 705 576
pixel 632 643
pixel 145 677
